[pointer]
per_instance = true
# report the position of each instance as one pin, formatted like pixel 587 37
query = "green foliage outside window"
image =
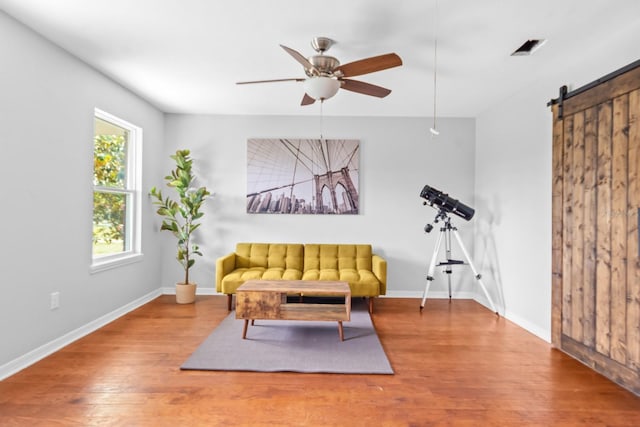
pixel 109 208
pixel 109 161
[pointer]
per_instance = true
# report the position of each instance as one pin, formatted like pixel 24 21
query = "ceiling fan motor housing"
pixel 322 65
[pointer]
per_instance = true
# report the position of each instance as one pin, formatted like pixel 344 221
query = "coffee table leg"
pixel 244 330
pixel 340 331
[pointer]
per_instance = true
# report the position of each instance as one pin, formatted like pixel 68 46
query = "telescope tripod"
pixel 445 234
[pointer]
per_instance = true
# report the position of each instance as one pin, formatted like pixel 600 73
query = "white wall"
pixel 47 100
pixel 46 128
pixel 397 158
pixel 513 176
pixel 499 163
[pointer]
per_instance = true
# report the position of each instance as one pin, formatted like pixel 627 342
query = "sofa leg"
pixel 370 305
pixel 229 300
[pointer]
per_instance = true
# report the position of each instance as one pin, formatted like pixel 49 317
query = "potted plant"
pixel 181 218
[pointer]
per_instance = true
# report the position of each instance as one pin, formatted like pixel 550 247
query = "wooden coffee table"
pixel 267 300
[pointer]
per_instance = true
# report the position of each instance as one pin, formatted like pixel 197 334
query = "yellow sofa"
pixel 365 272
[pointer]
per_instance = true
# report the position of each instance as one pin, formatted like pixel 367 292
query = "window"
pixel 116 191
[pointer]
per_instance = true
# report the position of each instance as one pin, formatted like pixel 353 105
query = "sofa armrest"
pixel 379 266
pixel 224 266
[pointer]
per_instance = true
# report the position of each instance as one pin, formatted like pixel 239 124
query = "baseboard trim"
pixel 523 323
pixel 26 360
pixel 171 290
pixel 529 327
pixel 431 295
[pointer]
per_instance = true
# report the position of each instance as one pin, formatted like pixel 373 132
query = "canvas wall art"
pixel 303 176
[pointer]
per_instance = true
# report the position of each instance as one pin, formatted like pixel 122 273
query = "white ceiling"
pixel 186 55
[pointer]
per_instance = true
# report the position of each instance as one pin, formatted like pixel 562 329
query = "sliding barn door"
pixel 596 202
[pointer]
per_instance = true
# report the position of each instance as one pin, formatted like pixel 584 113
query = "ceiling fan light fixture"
pixel 321 87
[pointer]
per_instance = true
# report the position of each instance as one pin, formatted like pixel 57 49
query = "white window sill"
pixel 99 265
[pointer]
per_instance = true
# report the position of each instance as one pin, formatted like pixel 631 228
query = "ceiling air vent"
pixel 528 47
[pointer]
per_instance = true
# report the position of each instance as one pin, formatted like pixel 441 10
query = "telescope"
pixel 446 204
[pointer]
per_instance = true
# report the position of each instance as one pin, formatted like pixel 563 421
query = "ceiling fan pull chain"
pixel 435 79
pixel 321 119
pixel 434 130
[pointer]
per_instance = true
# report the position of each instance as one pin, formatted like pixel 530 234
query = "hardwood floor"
pixel 455 364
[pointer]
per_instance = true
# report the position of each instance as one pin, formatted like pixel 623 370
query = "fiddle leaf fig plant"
pixel 181 216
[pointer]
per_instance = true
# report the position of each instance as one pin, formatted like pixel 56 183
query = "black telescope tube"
pixel 446 203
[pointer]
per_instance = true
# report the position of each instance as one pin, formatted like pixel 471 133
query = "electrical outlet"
pixel 55 300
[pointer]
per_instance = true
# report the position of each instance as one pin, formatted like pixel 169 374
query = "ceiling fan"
pixel 325 75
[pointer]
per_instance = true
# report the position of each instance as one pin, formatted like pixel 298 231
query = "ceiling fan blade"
pixel 307 100
pixel 299 57
pixel 272 81
pixel 369 65
pixel 365 88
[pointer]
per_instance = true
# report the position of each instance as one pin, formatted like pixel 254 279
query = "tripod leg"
pixel 448 271
pixel 432 269
pixel 475 272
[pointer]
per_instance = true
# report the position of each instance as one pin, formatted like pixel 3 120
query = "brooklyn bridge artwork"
pixel 302 176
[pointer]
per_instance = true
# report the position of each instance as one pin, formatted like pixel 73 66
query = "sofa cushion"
pixel 341 256
pixel 269 255
pixel 348 263
pixel 237 277
pixel 361 282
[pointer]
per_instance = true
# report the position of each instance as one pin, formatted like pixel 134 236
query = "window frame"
pixel 133 193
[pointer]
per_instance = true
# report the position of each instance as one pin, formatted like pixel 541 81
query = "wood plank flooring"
pixel 455 364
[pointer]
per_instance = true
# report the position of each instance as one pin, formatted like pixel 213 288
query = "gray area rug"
pixel 293 346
